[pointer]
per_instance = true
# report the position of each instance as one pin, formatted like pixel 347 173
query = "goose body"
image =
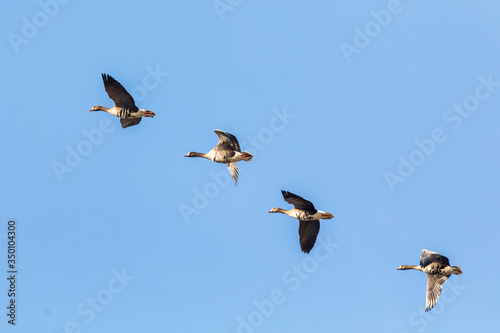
pixel 227 151
pixel 308 216
pixel 125 107
pixel 438 270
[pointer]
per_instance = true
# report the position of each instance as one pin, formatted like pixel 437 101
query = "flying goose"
pixel 438 270
pixel 227 151
pixel 308 216
pixel 125 107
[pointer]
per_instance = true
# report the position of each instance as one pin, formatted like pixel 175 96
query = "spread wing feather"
pixel 118 94
pixel 427 257
pixel 233 170
pixel 126 122
pixel 308 232
pixel 298 202
pixel 227 141
pixel 434 286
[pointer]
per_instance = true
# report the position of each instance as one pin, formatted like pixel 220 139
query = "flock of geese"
pixel 228 151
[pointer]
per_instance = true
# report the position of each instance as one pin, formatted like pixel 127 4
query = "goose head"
pixel 405 267
pixel 98 108
pixel 194 154
pixel 147 113
pixel 275 210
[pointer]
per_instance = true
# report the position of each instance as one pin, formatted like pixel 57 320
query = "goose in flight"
pixel 438 270
pixel 308 216
pixel 125 107
pixel 227 151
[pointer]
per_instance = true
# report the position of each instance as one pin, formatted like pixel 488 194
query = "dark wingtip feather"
pixel 106 79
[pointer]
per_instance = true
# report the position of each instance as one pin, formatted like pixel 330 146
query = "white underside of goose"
pixel 116 111
pixel 212 155
pixel 300 215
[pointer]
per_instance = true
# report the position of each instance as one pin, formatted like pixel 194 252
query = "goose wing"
pixel 126 122
pixel 427 257
pixel 308 231
pixel 233 170
pixel 227 141
pixel 298 202
pixel 118 94
pixel 434 286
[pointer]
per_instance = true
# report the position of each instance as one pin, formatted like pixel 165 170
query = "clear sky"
pixel 384 113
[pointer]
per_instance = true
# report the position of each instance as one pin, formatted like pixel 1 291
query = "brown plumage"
pixel 438 270
pixel 125 107
pixel 308 216
pixel 226 151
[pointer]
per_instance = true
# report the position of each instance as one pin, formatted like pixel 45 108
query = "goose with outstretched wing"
pixel 125 107
pixel 308 217
pixel 227 151
pixel 438 270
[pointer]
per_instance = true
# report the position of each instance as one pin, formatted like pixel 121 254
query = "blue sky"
pixel 383 113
